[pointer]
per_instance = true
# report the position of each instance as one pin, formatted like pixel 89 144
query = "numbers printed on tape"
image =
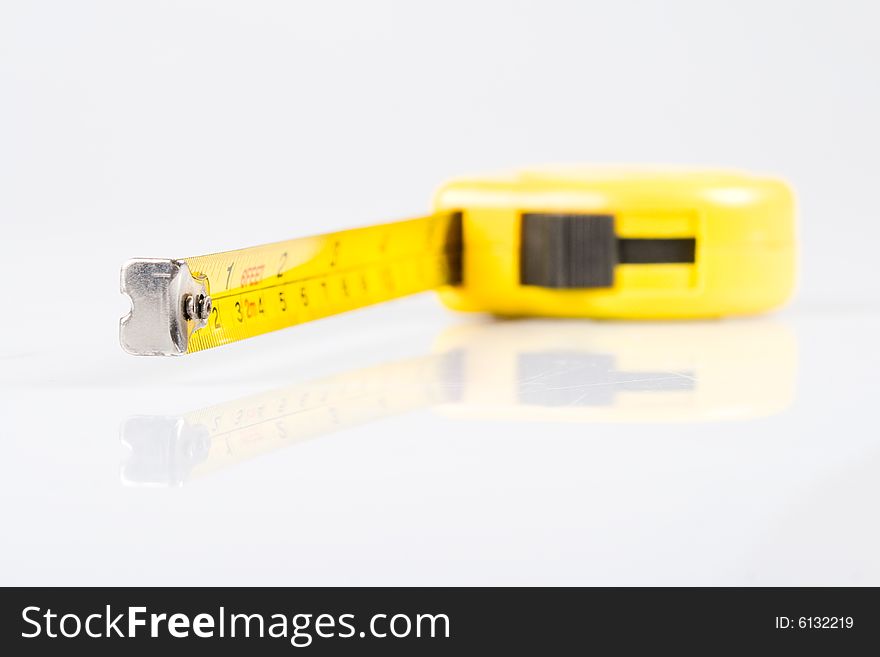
pixel 296 281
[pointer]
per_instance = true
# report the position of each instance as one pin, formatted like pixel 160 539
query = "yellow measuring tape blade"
pixel 270 287
pixel 265 288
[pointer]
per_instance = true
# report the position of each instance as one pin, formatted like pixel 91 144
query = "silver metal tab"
pixel 167 305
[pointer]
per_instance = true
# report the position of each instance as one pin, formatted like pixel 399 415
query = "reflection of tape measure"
pixel 509 371
pixel 168 450
pixel 577 242
pixel 607 372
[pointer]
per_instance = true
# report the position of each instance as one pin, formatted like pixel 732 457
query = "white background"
pixel 171 129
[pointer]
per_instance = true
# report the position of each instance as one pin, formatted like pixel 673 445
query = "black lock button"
pixel 580 251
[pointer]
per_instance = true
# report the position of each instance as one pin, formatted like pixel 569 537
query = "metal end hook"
pixel 168 304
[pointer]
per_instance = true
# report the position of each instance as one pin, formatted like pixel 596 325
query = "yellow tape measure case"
pixel 622 243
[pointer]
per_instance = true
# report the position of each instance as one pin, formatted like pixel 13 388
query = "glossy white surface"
pixel 542 452
pixel 436 448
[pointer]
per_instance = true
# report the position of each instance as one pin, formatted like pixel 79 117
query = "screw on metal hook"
pixel 198 307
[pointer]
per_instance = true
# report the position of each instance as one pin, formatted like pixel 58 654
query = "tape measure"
pixel 567 242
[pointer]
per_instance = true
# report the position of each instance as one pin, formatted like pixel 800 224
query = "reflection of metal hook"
pixel 522 370
pixel 164 449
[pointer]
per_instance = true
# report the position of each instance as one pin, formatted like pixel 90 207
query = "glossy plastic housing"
pixel 744 227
